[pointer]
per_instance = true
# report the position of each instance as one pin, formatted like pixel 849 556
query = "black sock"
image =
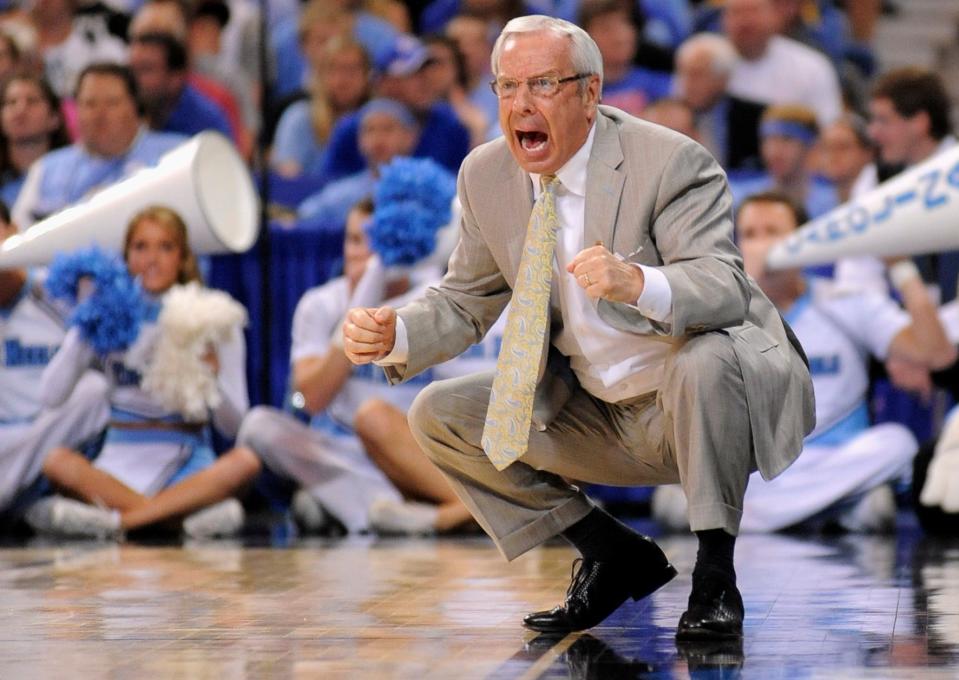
pixel 602 537
pixel 715 556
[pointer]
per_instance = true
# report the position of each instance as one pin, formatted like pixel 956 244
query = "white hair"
pixel 722 54
pixel 583 51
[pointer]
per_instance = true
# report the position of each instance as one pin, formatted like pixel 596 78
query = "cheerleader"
pixel 31 330
pixel 156 466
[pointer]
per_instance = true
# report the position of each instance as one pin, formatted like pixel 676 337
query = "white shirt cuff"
pixel 656 300
pixel 401 347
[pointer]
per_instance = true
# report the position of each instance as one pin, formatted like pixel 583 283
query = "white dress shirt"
pixel 610 364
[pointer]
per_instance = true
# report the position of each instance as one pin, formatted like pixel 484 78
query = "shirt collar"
pixel 573 174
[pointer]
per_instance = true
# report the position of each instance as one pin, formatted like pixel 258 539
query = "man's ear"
pixel 921 123
pixel 592 93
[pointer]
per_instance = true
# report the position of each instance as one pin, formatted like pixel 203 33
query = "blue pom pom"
pixel 412 201
pixel 110 319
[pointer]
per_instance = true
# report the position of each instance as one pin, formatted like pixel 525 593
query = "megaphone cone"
pixel 914 213
pixel 204 180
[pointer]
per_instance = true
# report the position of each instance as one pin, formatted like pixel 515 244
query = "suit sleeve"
pixel 692 229
pixel 458 313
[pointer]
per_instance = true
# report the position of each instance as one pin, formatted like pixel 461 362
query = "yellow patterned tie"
pixel 506 434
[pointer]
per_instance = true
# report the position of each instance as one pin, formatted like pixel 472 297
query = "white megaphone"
pixel 914 213
pixel 204 180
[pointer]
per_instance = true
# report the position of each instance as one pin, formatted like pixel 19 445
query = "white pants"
pixel 334 470
pixel 24 447
pixel 823 476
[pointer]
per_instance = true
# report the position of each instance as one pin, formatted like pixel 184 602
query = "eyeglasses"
pixel 539 86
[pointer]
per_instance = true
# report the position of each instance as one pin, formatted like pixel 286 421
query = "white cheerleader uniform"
pixel 843 458
pixel 147 447
pixel 31 331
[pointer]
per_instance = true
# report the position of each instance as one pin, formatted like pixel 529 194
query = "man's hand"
pixel 909 376
pixel 369 333
pixel 603 275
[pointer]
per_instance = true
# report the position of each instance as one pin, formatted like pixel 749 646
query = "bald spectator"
pixel 387 129
pixel 403 78
pixel 774 69
pixel 114 143
pixel 728 126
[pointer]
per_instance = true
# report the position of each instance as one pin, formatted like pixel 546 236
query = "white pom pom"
pixel 192 321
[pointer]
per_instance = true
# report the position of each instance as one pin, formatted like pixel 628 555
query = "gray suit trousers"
pixel 694 431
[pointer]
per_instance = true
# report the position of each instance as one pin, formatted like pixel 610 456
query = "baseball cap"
pixel 407 56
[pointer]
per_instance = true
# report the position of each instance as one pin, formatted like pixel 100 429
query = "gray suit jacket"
pixel 657 198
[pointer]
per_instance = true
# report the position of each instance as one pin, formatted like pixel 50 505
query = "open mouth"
pixel 532 140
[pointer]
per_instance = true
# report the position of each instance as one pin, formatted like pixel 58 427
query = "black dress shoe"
pixel 597 590
pixel 715 612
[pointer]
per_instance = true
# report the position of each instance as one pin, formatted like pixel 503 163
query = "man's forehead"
pixel 535 53
pixel 102 87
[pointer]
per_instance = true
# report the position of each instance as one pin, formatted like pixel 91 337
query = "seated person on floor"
pixel 359 480
pixel 156 464
pixel 31 331
pixel 846 465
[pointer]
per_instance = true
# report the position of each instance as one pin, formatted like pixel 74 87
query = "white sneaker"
pixel 66 517
pixel 389 516
pixel 222 519
pixel 308 512
pixel 669 507
pixel 875 512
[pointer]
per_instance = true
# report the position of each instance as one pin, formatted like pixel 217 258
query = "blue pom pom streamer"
pixel 111 317
pixel 412 201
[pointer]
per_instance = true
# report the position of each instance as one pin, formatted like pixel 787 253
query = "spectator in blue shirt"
pixel 295 36
pixel 159 64
pixel 303 131
pixel 402 77
pixel 114 143
pixel 387 130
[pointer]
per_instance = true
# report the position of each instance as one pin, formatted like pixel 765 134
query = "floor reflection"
pixel 828 607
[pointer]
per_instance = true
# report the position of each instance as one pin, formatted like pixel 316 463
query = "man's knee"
pixel 704 364
pixel 425 412
pixel 448 415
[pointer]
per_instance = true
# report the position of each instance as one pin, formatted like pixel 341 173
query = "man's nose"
pixel 523 100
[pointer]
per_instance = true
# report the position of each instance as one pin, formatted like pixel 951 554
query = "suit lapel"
pixel 605 178
pixel 515 195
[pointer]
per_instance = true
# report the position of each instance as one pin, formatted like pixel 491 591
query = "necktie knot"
pixel 548 182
